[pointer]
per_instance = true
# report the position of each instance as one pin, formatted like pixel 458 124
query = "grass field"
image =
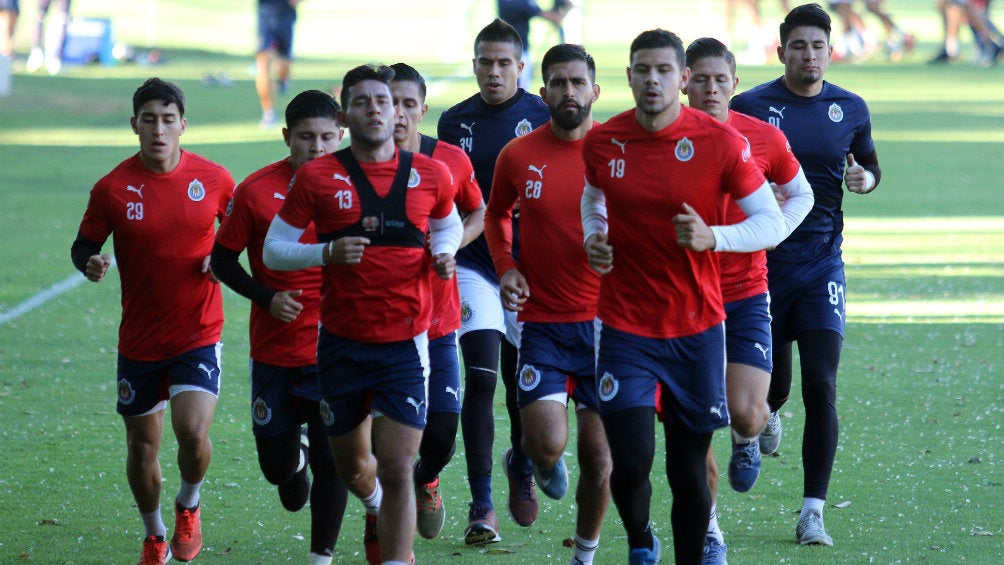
pixel 919 475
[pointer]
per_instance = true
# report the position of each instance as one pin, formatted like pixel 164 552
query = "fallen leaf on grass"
pixel 568 542
pixel 981 533
pixel 49 522
pixel 500 551
pixel 843 504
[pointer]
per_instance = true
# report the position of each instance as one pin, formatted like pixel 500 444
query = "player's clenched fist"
pixel 97 266
pixel 445 265
pixel 346 250
pixel 691 231
pixel 600 252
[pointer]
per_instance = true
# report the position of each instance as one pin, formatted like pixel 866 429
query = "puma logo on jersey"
pixel 469 128
pixel 278 196
pixel 716 410
pixel 207 370
pixel 540 171
pixel 138 191
pixel 416 403
pixel 454 391
pixel 762 349
pixel 342 178
pixel 618 143
pixel 780 112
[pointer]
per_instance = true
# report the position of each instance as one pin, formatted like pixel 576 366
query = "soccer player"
pixel 440 436
pixel 481 126
pixel 553 290
pixel 662 345
pixel 712 83
pixel 829 130
pixel 283 329
pixel 162 205
pixel 373 207
pixel 276 21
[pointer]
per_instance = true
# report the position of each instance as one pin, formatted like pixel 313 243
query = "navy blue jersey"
pixel 481 130
pixel 821 130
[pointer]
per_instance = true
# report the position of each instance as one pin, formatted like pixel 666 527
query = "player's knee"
pixel 543 448
pixel 395 474
pixel 750 421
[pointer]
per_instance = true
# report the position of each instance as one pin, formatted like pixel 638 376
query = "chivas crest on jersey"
pixel 196 191
pixel 684 150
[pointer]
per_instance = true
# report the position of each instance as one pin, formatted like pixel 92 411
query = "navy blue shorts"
pixel 558 362
pixel 275 32
pixel 682 378
pixel 747 332
pixel 804 299
pixel 444 375
pixel 144 387
pixel 280 397
pixel 356 378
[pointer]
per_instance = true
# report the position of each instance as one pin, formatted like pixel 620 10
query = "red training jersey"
pixel 745 274
pixel 543 175
pixel 256 201
pixel 445 294
pixel 658 289
pixel 386 297
pixel 164 229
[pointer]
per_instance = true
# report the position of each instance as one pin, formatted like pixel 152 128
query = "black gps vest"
pixel 383 221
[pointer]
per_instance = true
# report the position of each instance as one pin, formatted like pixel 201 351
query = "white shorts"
pixel 481 306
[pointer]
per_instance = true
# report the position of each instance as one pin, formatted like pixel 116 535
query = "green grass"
pixel 920 394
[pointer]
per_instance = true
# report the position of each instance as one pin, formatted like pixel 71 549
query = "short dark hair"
pixel 405 72
pixel 706 47
pixel 498 32
pixel 657 39
pixel 566 53
pixel 310 104
pixel 806 15
pixel 380 73
pixel 156 89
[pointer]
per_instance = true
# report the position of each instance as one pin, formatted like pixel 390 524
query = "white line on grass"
pixel 69 283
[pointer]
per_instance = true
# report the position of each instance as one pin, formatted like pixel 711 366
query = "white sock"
pixel 585 549
pixel 810 504
pixel 188 494
pixel 154 524
pixel 736 438
pixel 318 559
pixel 714 529
pixel 372 502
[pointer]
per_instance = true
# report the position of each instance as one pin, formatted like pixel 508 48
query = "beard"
pixel 570 120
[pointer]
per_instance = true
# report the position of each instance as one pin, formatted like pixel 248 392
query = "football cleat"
pixel 523 504
pixel 810 530
pixel 187 540
pixel 431 513
pixel 770 437
pixel 482 526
